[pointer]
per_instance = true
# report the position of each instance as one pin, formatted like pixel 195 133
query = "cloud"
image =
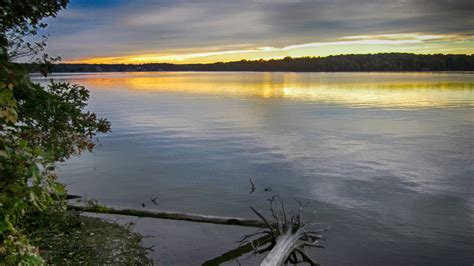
pixel 198 27
pixel 278 52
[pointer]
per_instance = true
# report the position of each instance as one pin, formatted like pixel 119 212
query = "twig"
pixel 252 189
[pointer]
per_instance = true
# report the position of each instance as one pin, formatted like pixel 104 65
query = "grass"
pixel 71 239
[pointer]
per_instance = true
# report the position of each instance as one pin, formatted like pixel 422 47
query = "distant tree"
pixel 351 62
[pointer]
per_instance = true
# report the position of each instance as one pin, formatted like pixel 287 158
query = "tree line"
pixel 350 62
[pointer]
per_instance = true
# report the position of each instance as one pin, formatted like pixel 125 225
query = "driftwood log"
pixel 289 236
pixel 171 215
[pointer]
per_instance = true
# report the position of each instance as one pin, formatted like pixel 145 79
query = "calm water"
pixel 386 159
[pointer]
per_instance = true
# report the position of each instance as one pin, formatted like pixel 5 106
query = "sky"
pixel 175 31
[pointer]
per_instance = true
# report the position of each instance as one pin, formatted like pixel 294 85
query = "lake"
pixel 385 159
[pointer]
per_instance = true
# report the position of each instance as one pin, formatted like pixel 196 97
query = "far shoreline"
pixel 383 62
pixel 37 73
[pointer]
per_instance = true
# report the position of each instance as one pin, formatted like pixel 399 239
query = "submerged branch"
pixel 239 251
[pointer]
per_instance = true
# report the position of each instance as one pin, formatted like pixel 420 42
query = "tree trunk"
pixel 285 245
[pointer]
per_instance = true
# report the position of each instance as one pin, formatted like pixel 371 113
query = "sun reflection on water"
pixel 385 90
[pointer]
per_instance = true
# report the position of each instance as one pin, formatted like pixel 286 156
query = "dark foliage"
pixel 353 62
pixel 39 125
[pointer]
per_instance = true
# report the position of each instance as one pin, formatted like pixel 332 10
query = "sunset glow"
pixel 411 42
pixel 137 32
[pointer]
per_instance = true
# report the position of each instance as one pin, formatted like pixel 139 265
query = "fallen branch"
pixel 171 215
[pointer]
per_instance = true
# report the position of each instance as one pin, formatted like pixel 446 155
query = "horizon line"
pixel 268 59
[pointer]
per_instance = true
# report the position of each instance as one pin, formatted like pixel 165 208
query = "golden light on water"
pixel 385 90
